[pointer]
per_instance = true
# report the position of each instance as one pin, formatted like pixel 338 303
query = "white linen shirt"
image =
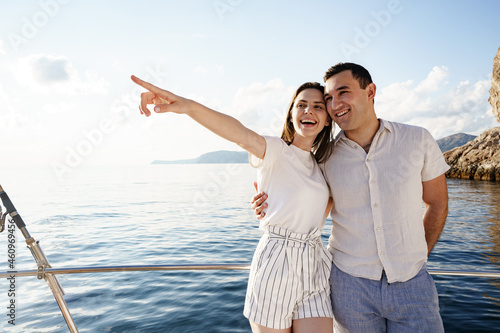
pixel 297 190
pixel 377 218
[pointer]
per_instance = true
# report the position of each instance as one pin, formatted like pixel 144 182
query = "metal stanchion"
pixel 40 259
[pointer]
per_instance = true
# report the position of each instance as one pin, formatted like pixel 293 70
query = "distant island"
pixel 226 156
pixel 220 156
pixel 453 141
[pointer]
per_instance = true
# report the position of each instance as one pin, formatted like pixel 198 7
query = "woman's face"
pixel 309 115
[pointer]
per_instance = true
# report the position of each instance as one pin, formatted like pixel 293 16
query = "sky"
pixel 66 98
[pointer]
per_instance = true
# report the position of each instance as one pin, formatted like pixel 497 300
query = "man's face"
pixel 348 104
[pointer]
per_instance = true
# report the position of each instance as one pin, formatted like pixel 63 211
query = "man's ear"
pixel 371 89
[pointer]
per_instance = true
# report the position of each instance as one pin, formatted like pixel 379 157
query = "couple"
pixel 377 172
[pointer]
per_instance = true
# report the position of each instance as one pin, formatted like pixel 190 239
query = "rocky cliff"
pixel 479 159
pixel 495 86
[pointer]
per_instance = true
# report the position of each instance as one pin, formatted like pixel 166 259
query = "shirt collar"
pixel 384 125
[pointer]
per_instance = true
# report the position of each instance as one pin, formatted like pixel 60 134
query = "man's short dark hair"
pixel 358 72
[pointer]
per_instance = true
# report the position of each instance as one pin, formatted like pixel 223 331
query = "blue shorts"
pixel 363 305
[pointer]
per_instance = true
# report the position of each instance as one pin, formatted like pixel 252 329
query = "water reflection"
pixel 470 241
pixel 493 192
pixel 476 204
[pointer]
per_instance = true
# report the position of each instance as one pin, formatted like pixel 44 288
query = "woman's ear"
pixel 328 120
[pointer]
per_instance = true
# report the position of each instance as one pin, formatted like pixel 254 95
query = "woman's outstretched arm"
pixel 221 124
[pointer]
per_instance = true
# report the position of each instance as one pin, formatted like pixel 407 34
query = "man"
pixel 379 174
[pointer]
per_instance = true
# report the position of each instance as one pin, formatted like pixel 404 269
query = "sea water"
pixel 195 214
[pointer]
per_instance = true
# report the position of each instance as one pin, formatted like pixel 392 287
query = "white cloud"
pixel 1 47
pixel 48 70
pixel 200 70
pixel 443 110
pixel 218 69
pixel 262 106
pixel 434 80
pixel 46 73
pixel 9 118
pixel 59 108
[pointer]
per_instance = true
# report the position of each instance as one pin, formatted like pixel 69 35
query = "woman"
pixel 288 286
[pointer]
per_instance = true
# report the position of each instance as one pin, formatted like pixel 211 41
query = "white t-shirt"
pixel 297 191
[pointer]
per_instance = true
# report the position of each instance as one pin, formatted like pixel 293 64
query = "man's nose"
pixel 334 104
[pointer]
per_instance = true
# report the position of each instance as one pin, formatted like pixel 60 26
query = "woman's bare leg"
pixel 256 328
pixel 316 325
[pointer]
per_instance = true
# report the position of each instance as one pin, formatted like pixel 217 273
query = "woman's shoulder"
pixel 275 147
pixel 274 139
pixel 275 144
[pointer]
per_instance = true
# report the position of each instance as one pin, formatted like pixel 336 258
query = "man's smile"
pixel 342 113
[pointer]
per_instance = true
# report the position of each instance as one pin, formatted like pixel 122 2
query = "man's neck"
pixel 364 136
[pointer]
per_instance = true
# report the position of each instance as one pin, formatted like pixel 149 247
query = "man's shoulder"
pixel 396 127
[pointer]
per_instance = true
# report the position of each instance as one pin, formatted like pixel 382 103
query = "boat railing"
pixel 135 268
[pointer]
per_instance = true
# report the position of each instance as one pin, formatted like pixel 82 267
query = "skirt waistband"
pixel 276 232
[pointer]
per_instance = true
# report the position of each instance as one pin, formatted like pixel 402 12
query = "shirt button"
pixel 382 253
pixel 378 229
pixel 368 160
pixel 372 182
pixel 375 205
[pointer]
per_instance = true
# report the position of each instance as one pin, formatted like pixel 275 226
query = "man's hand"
pixel 259 204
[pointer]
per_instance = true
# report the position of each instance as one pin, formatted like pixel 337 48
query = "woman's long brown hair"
pixel 322 147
